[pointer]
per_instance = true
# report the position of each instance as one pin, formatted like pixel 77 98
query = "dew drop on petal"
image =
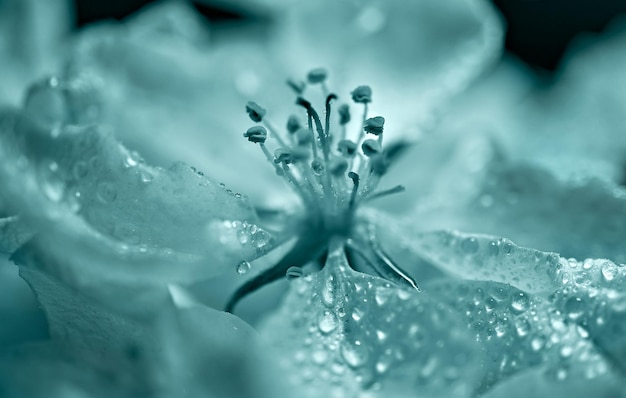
pixel 355 354
pixel 243 267
pixel 609 271
pixel 327 322
pixel 520 302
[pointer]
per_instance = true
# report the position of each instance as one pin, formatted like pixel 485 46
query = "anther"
pixel 344 114
pixel 374 125
pixel 303 137
pixel 317 165
pixel 362 95
pixel 293 124
pixel 371 148
pixel 288 155
pixel 317 75
pixel 337 166
pixel 256 134
pixel 297 87
pixel 255 111
pixel 347 148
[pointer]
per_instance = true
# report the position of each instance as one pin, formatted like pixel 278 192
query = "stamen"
pixel 318 124
pixel 374 125
pixel 256 134
pixel 255 111
pixel 327 125
pixel 371 148
pixel 355 187
pixel 304 251
pixel 337 166
pixel 318 76
pixel 297 86
pixel 344 118
pixel 362 95
pixel 347 148
pixel 390 191
pixel 274 132
pixel 293 124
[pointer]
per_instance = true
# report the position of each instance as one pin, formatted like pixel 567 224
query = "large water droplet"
pixel 260 238
pixel 243 267
pixel 609 271
pixel 520 302
pixel 327 322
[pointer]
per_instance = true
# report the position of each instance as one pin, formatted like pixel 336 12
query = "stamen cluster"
pixel 331 173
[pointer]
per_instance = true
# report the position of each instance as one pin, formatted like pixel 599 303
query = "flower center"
pixel 331 174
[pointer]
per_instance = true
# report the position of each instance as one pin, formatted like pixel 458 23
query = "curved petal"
pixel 74 181
pixel 519 331
pixel 361 335
pixel 415 55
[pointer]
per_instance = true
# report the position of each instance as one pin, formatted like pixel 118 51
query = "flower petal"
pixel 417 54
pixel 518 331
pixel 77 180
pixel 360 334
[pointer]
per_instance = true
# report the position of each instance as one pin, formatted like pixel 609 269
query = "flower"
pixel 492 316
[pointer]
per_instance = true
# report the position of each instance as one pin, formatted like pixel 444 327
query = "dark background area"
pixel 538 30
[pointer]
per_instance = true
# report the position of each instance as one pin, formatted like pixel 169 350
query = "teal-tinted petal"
pixel 13 234
pixel 76 179
pixel 419 53
pixel 518 331
pixel 361 335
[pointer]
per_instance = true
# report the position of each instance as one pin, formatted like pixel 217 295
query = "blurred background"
pixel 538 30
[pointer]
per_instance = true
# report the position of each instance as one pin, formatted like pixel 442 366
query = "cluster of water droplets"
pixel 355 339
pixel 518 331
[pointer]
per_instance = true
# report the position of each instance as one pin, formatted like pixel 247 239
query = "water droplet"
pixel 537 343
pixel 243 267
pixel 507 247
pixel 327 322
pixel 357 314
pixel 243 236
pixel 494 248
pixel 328 292
pixel 522 326
pixel 319 357
pixel 382 295
pixel 294 273
pixel 260 238
pixel 470 245
pixel 354 354
pixel 574 307
pixel 609 271
pixel 132 160
pixel 107 193
pixel 146 176
pixel 490 304
pixel 520 302
pixel 51 183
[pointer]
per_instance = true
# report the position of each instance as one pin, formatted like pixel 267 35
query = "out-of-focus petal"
pixel 31 35
pixel 415 55
pixel 361 335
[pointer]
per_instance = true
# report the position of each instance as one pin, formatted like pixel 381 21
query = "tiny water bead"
pixel 332 173
pixel 243 267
